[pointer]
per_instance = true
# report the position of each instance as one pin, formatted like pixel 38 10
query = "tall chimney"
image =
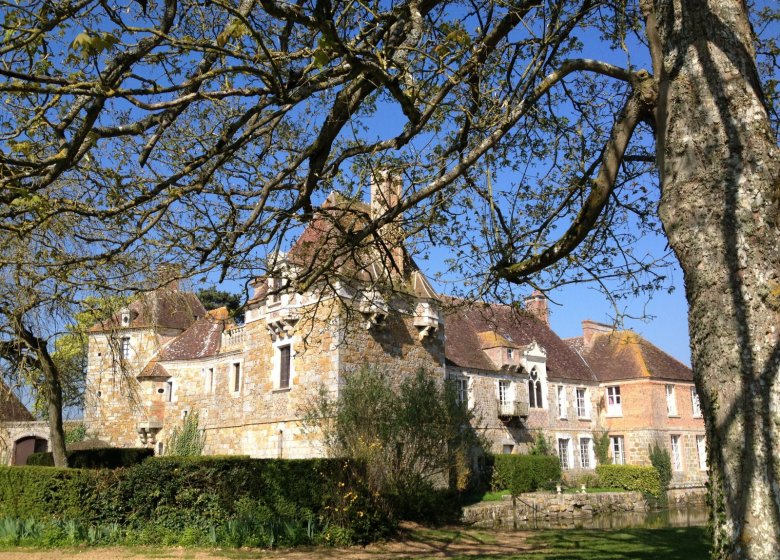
pixel 168 276
pixel 592 328
pixel 536 305
pixel 386 194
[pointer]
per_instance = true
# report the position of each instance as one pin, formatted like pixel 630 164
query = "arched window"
pixel 534 390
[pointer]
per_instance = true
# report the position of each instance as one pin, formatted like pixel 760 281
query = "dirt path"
pixel 414 543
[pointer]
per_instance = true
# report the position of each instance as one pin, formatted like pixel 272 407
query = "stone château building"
pixel 165 356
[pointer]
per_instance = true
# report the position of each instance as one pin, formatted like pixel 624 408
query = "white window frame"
pixel 584 410
pixel 671 400
pixel 562 404
pixel 589 455
pixel 170 391
pixel 701 451
pixel 239 370
pixel 505 395
pixel 124 347
pixel 614 401
pixel 462 389
pixel 695 403
pixel 567 462
pixel 618 446
pixel 533 401
pixel 677 458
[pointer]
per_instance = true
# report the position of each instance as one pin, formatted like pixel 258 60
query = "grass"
pixel 690 543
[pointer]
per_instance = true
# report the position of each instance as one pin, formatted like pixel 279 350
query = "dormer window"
pixel 125 317
pixel 274 291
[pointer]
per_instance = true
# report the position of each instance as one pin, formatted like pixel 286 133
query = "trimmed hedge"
pixel 233 497
pixel 100 458
pixel 630 477
pixel 524 473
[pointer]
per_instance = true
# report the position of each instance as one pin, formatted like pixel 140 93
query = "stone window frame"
pixel 234 371
pixel 278 344
pixel 560 396
pixel 508 394
pixel 675 443
pixel 614 408
pixel 567 462
pixel 701 451
pixel 124 347
pixel 584 411
pixel 535 389
pixel 462 384
pixel 617 445
pixel 591 452
pixel 671 400
pixel 695 403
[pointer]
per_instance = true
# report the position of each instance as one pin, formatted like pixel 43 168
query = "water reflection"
pixel 678 517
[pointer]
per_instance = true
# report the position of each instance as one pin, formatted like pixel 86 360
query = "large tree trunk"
pixel 720 179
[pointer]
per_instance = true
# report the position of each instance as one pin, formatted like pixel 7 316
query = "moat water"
pixel 673 517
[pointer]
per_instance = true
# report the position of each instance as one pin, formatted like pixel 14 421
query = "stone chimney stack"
pixel 591 328
pixel 536 305
pixel 386 190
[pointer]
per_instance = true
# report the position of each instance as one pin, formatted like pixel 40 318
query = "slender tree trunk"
pixel 720 179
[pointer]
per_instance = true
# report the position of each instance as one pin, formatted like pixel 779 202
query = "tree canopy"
pixel 528 135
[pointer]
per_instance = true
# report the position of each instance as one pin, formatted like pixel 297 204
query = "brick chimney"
pixel 536 305
pixel 385 194
pixel 591 328
pixel 168 276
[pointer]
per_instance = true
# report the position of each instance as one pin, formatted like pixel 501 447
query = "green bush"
pixel 630 477
pixel 662 462
pixel 233 501
pixel 101 458
pixel 524 473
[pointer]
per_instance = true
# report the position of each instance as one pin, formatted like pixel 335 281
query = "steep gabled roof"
pixel 622 355
pixel 163 308
pixel 153 370
pixel 465 329
pixel 11 408
pixel 201 340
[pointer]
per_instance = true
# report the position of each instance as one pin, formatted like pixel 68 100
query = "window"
pixel 210 379
pixel 284 366
pixel 462 390
pixel 585 452
pixel 510 353
pixel 561 401
pixel 124 347
pixel 274 287
pixel 701 450
pixel 534 390
pixel 169 390
pixel 564 451
pixel 507 449
pixel 614 408
pixel 582 403
pixel 695 403
pixel 236 377
pixel 618 450
pixel 671 402
pixel 503 392
pixel 677 463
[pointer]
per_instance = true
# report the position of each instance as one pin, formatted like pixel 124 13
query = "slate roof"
pixel 11 408
pixel 162 308
pixel 201 340
pixel 326 236
pixel 623 355
pixel 464 343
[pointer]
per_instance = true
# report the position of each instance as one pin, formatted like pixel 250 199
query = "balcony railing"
pixel 233 338
pixel 512 409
